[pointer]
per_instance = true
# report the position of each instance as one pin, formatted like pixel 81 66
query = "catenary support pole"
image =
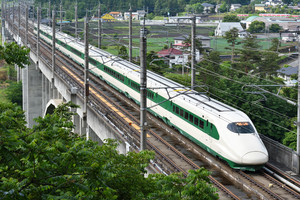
pixel 49 13
pixel 298 110
pixel 99 27
pixel 76 20
pixel 86 71
pixel 3 24
pixel 26 26
pixel 38 32
pixel 130 34
pixel 60 16
pixel 13 16
pixel 193 46
pixel 143 88
pixel 53 45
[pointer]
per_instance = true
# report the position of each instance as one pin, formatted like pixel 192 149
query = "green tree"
pixel 250 55
pixel 231 18
pixel 208 67
pixel 14 54
pixel 232 38
pixel 268 64
pixel 256 27
pixel 123 52
pixel 275 43
pixel 275 28
pixel 50 162
pixel 223 7
pixel 14 92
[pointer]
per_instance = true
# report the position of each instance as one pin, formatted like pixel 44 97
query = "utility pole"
pixel 38 32
pixel 130 34
pixel 99 27
pixel 193 36
pixel 60 16
pixel 53 45
pixel 86 71
pixel 143 87
pixel 76 21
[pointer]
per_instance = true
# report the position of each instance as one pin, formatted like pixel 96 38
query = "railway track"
pixel 168 159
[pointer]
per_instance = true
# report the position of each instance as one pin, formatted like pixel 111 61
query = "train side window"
pixel 186 115
pixel 196 121
pixel 181 112
pixel 191 118
pixel 177 110
pixel 201 124
pixel 173 108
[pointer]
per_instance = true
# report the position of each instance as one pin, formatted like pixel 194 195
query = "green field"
pixel 116 34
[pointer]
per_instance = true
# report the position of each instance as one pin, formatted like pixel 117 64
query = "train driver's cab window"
pixel 241 127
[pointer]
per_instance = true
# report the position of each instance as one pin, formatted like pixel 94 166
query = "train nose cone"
pixel 255 158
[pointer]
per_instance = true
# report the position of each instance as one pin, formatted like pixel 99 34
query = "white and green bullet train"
pixel 222 130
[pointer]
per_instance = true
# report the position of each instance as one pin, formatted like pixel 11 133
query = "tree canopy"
pixel 231 18
pixel 49 161
pixel 256 27
pixel 14 54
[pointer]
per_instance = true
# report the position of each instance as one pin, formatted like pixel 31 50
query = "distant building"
pixel 284 20
pixel 134 15
pixel 223 27
pixel 183 20
pixel 108 18
pixel 173 56
pixel 259 7
pixel 289 37
pixel 207 7
pixel 273 3
pixel 116 15
pixel 287 72
pixel 179 42
pixel 234 7
pixel 138 15
pixel 243 34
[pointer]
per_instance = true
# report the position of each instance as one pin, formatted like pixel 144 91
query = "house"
pixel 173 56
pixel 134 15
pixel 234 7
pixel 183 20
pixel 223 27
pixel 260 7
pixel 273 3
pixel 108 18
pixel 116 15
pixel 141 13
pixel 289 37
pixel 243 34
pixel 179 42
pixel 138 15
pixel 287 72
pixel 217 8
pixel 207 7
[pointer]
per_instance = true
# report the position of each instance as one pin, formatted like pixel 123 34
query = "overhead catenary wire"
pixel 240 82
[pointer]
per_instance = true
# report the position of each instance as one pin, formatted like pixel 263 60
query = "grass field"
pixel 116 34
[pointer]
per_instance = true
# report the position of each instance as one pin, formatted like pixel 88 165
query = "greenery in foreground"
pixel 49 161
